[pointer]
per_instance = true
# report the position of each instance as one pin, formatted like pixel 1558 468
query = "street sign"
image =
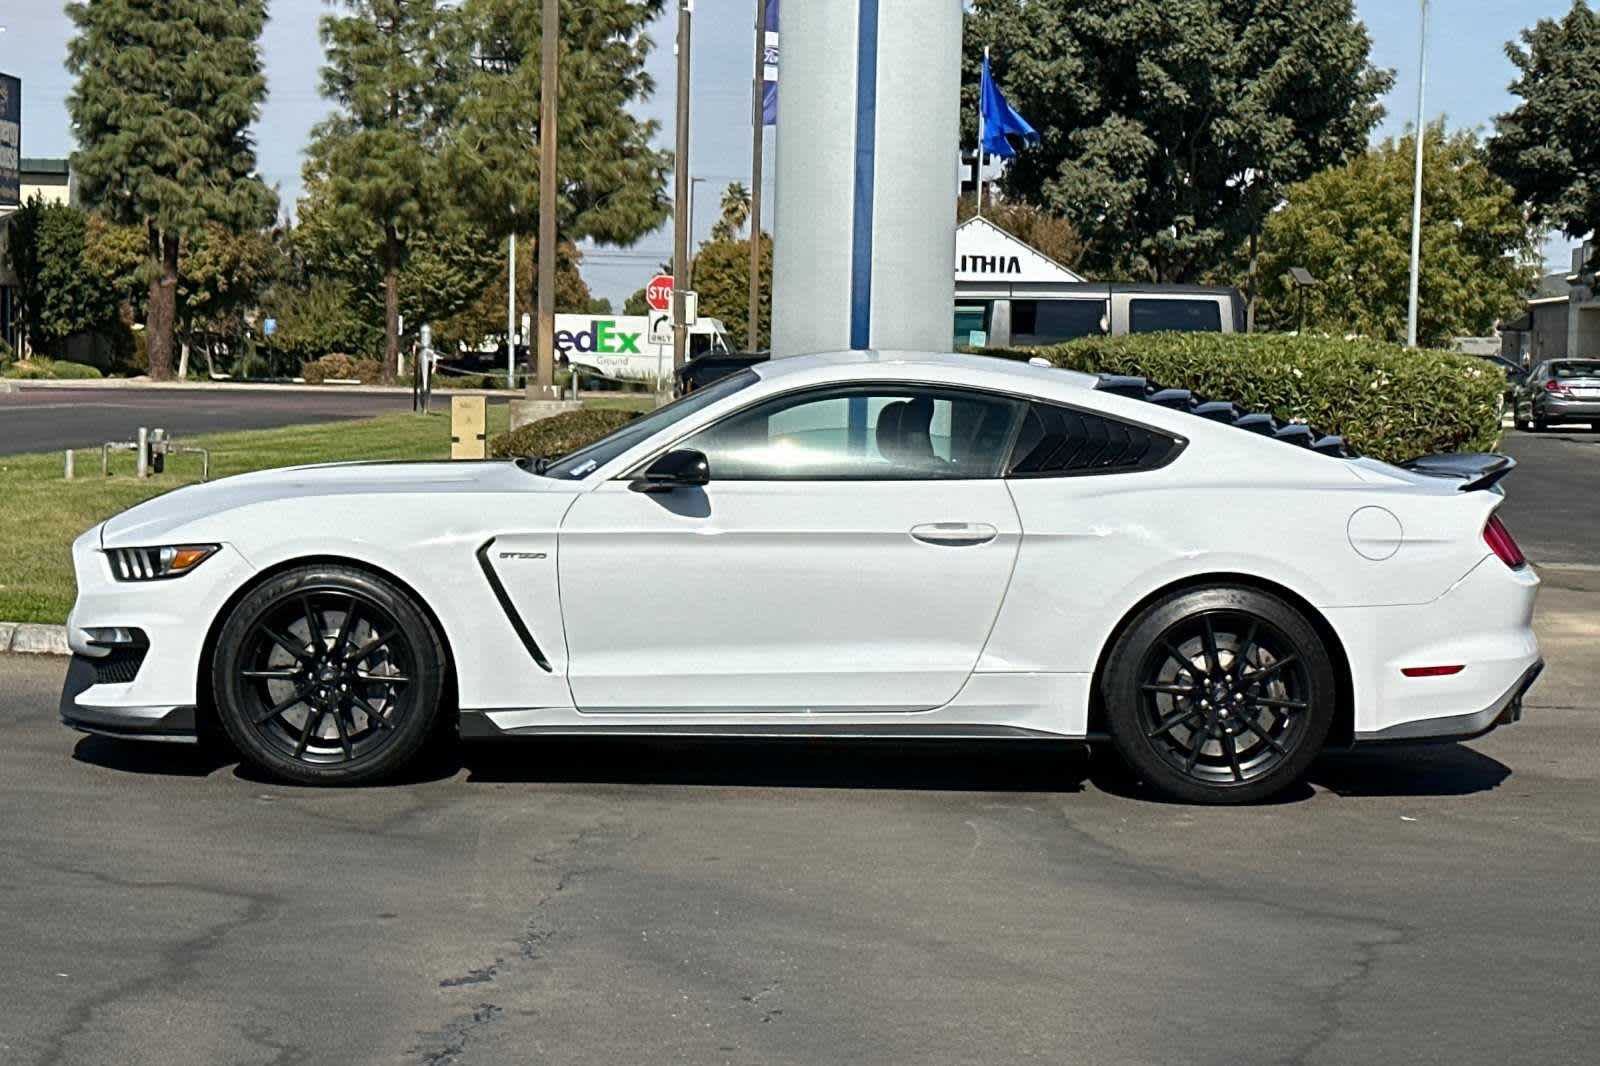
pixel 660 327
pixel 658 294
pixel 10 141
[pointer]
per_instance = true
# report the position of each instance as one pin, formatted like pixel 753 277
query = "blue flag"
pixel 997 120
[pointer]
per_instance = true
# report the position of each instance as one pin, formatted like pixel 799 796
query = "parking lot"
pixel 608 902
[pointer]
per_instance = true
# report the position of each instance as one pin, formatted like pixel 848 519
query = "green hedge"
pixel 1386 401
pixel 39 369
pixel 558 435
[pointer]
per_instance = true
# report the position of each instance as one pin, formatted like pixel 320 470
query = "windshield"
pixel 587 460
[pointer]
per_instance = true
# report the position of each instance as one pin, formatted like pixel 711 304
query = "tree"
pixel 636 303
pixel 485 316
pixel 1034 226
pixel 1170 127
pixel 611 178
pixel 1548 147
pixel 735 212
pixel 1351 228
pixel 166 93
pixel 393 72
pixel 224 277
pixel 722 278
pixel 59 295
pixel 448 261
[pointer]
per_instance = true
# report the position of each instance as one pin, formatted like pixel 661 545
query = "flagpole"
pixel 1416 188
pixel 980 133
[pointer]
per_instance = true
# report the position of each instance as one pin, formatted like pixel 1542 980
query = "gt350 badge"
pixel 522 555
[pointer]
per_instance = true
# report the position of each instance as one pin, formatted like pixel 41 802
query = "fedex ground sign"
pixel 604 336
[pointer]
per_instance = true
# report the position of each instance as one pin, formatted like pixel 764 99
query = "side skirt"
pixel 478 725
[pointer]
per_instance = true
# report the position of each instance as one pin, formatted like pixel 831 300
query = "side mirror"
pixel 684 468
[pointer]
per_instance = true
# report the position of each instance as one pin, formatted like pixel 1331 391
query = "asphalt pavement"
pixel 45 419
pixel 617 901
pixel 1553 497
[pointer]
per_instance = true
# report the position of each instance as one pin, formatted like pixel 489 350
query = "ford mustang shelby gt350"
pixel 870 544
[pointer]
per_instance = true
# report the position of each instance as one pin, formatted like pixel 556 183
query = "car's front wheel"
pixel 1219 695
pixel 328 675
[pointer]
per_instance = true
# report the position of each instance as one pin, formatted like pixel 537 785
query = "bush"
pixel 558 435
pixel 342 367
pixel 40 369
pixel 1386 401
pixel 7 355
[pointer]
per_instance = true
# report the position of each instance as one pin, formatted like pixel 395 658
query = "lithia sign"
pixel 985 252
pixel 10 141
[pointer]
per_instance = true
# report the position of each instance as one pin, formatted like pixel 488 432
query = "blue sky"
pixel 1467 79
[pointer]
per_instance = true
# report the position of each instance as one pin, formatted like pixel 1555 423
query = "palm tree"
pixel 735 212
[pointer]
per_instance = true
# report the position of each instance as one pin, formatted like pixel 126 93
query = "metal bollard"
pixel 142 463
pixel 69 465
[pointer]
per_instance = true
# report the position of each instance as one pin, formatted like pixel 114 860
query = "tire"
pixel 1540 425
pixel 1185 720
pixel 328 675
pixel 1520 423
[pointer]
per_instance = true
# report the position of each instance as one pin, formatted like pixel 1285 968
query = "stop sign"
pixel 658 294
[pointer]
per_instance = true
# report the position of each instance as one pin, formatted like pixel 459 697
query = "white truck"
pixel 632 347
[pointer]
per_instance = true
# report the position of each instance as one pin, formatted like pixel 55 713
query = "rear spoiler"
pixel 1475 470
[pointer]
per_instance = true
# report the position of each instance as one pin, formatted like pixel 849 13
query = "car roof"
pixel 972 369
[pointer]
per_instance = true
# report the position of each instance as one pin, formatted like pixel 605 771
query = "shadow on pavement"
pixel 996 766
pixel 1409 770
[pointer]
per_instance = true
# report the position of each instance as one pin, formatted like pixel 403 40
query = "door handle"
pixel 955 534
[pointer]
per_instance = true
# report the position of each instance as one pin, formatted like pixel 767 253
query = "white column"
pixel 864 247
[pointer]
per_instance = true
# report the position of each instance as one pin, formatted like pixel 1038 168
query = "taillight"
pixel 1556 387
pixel 1498 537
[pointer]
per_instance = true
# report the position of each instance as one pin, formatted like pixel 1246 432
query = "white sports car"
pixel 850 545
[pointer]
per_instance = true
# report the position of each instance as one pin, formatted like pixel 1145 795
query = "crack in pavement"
pixel 178 960
pixel 446 1045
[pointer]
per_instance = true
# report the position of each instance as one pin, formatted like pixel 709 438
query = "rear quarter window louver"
pixel 1258 422
pixel 1059 441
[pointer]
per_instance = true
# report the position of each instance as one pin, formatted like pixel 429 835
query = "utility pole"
pixel 758 120
pixel 681 190
pixel 541 384
pixel 1416 192
pixel 511 316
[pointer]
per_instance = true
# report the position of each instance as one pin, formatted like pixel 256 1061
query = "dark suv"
pixel 1561 390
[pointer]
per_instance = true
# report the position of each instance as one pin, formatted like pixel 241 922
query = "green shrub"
pixel 7 354
pixel 559 434
pixel 342 367
pixel 41 369
pixel 1386 401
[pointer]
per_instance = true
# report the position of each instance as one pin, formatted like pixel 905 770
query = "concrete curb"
pixel 26 638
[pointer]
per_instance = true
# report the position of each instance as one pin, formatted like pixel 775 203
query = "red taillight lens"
pixel 1499 539
pixel 1556 387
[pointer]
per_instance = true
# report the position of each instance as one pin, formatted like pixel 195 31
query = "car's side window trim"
pixel 1019 403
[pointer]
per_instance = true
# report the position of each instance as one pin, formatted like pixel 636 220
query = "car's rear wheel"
pixel 1219 695
pixel 328 675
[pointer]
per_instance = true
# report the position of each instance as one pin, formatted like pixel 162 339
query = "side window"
pixel 868 433
pixel 1060 442
pixel 1036 322
pixel 1174 316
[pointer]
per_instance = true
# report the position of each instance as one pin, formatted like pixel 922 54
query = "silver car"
pixel 1560 390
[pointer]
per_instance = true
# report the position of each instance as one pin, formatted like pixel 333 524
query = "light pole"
pixel 1416 191
pixel 681 191
pixel 689 281
pixel 758 121
pixel 541 384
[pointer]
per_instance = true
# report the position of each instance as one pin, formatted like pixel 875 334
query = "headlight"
pixel 154 564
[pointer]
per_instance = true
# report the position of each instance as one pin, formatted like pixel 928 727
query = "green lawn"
pixel 41 514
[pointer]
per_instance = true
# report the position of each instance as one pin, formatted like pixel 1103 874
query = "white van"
pixel 620 346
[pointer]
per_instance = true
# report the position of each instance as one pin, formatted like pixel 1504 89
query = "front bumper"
pixel 155 696
pixel 174 724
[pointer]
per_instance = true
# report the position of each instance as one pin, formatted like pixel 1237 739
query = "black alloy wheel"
pixel 328 675
pixel 1219 695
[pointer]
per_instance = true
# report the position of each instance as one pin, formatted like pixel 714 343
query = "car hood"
pixel 146 523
